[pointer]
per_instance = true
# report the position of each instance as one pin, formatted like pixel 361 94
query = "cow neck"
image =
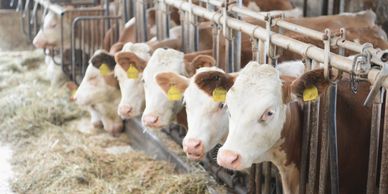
pixel 286 153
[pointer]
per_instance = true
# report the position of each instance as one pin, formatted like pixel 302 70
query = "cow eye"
pixel 221 105
pixel 92 78
pixel 267 115
pixel 142 80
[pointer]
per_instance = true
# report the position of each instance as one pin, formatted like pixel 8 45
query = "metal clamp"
pixel 360 67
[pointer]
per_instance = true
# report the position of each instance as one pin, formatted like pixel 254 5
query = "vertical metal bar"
pixel 62 47
pixel 279 188
pixel 267 177
pixel 384 153
pixel 258 179
pixel 251 183
pixel 305 6
pixel 305 146
pixel 324 7
pixel 237 44
pixel 374 145
pixel 313 157
pixel 324 153
pixel 332 134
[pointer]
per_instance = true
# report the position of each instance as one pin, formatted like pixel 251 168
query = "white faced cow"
pixel 265 124
pixel 161 110
pixel 131 62
pixel 207 119
pixel 99 92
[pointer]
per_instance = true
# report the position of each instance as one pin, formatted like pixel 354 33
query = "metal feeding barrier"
pixel 371 64
pixel 84 28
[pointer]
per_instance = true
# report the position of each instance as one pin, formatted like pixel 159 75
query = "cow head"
pixel 131 62
pixel 206 116
pixel 98 82
pixel 50 34
pixel 257 104
pixel 161 109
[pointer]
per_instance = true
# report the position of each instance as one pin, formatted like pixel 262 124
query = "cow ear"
pixel 125 59
pixel 312 79
pixel 166 79
pixel 103 57
pixel 116 47
pixel 210 80
pixel 198 62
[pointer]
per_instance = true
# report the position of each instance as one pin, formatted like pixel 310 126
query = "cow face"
pixel 206 115
pixel 257 115
pixel 159 110
pixel 98 82
pixel 50 34
pixel 129 72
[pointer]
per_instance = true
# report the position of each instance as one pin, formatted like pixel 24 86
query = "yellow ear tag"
pixel 173 94
pixel 219 94
pixel 104 69
pixel 72 93
pixel 310 93
pixel 132 72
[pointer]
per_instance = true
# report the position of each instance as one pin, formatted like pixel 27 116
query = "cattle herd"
pixel 256 113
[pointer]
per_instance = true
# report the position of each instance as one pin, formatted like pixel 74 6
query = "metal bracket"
pixel 377 85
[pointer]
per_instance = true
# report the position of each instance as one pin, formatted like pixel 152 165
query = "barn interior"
pixel 49 143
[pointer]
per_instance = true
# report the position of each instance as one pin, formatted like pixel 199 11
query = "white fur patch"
pixel 142 50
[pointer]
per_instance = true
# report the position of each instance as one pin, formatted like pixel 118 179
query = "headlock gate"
pixel 319 155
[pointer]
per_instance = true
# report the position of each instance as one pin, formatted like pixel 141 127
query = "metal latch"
pixel 377 85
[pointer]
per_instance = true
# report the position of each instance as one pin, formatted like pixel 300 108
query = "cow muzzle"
pixel 194 149
pixel 125 111
pixel 229 159
pixel 152 121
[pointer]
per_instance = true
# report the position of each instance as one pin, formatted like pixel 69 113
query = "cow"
pixel 206 118
pixel 159 111
pixel 131 62
pixel 266 119
pixel 99 92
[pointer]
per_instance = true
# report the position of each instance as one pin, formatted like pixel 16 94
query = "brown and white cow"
pixel 265 124
pixel 206 118
pixel 131 62
pixel 99 92
pixel 159 111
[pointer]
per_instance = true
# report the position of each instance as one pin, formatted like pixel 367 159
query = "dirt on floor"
pixel 52 155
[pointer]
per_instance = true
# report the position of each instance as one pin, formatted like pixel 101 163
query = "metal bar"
pixel 384 153
pixel 267 177
pixel 305 5
pixel 251 183
pixel 374 145
pixel 324 152
pixel 258 179
pixel 305 144
pixel 313 157
pixel 332 134
pixel 324 7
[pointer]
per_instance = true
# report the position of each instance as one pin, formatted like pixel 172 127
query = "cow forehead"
pixel 164 60
pixel 255 82
pixel 50 17
pixel 193 91
pixel 142 50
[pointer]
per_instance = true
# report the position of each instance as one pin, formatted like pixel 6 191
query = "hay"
pixel 52 156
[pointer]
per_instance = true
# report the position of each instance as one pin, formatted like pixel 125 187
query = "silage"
pixel 52 156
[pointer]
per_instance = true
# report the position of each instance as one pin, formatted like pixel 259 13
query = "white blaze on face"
pixel 93 88
pixel 132 90
pixel 207 120
pixel 159 111
pixel 50 34
pixel 257 115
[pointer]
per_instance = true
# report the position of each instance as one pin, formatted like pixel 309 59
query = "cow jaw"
pixel 159 112
pixel 257 89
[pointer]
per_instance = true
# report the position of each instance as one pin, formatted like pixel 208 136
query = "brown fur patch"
pixel 312 78
pixel 103 58
pixel 166 79
pixel 125 59
pixel 210 80
pixel 286 88
pixel 198 62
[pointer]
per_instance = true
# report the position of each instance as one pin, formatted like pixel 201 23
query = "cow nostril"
pixel 237 157
pixel 129 110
